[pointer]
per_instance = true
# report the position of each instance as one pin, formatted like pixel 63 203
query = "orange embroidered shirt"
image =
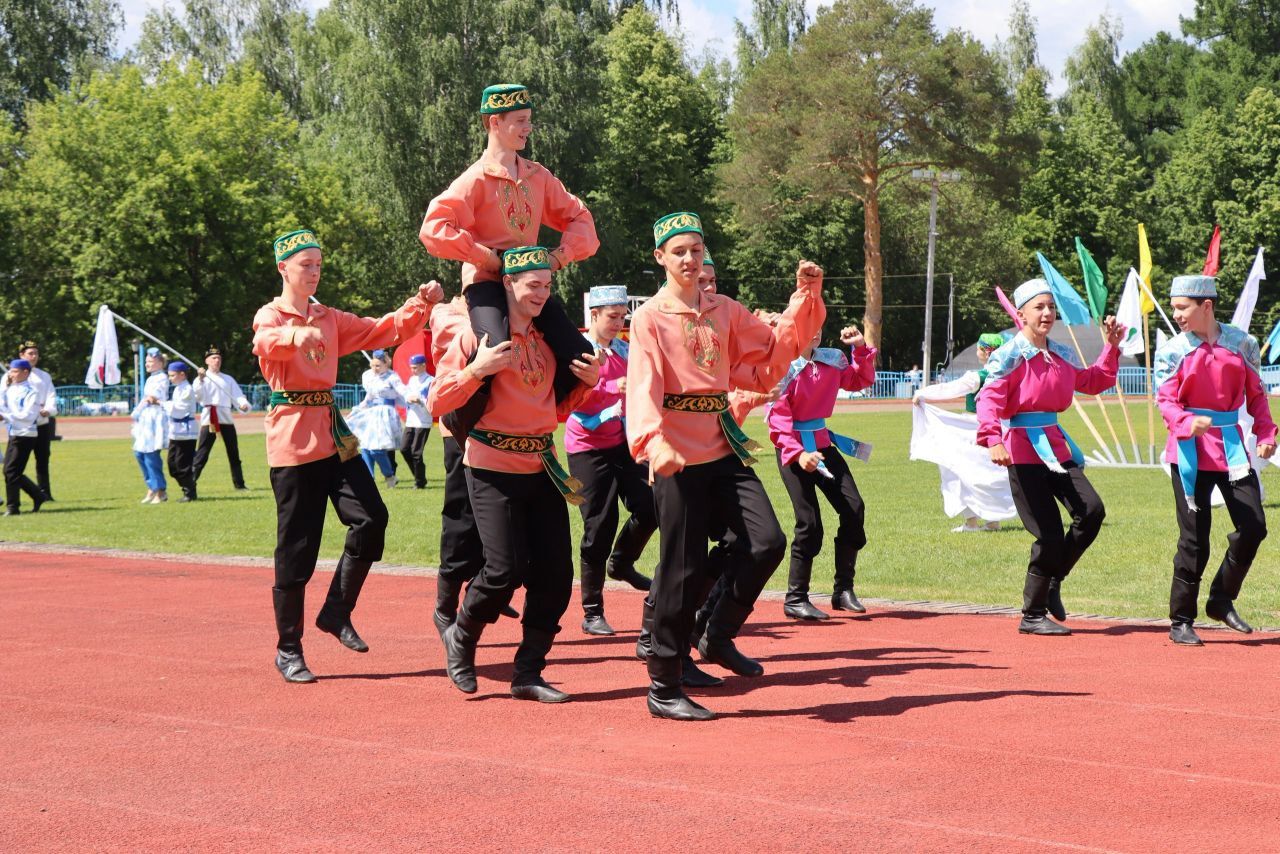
pixel 523 399
pixel 486 207
pixel 302 434
pixel 718 347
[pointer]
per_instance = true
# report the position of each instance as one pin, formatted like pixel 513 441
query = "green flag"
pixel 1095 288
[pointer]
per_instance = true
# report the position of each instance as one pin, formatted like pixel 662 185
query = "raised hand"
pixel 851 337
pixel 432 292
pixel 1114 330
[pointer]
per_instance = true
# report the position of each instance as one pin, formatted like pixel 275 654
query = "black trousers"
pixel 1037 491
pixel 461 552
pixel 607 476
pixel 301 494
pixel 182 453
pixel 524 523
pixel 204 447
pixel 44 442
pixel 487 308
pixel 842 494
pixel 413 440
pixel 16 481
pixel 692 504
pixel 1244 506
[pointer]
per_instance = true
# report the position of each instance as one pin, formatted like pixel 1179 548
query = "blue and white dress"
pixel 375 420
pixel 150 420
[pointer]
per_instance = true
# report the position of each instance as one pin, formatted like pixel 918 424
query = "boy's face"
pixel 176 377
pixel 377 365
pixel 681 258
pixel 512 129
pixel 1192 314
pixel 417 368
pixel 213 363
pixel 18 375
pixel 153 364
pixel 32 355
pixel 530 290
pixel 608 321
pixel 301 270
pixel 1039 313
pixel 707 279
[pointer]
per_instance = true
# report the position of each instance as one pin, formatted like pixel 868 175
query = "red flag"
pixel 1008 306
pixel 1211 263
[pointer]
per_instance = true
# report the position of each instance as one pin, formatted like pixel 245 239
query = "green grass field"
pixel 911 553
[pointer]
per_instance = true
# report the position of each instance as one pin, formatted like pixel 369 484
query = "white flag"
pixel 1249 296
pixel 1161 338
pixel 1129 314
pixel 104 364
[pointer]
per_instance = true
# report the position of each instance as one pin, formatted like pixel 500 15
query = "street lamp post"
pixel 934 177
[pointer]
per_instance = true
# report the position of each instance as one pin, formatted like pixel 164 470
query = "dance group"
pixel 655 422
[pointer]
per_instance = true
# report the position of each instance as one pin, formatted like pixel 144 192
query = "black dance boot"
pixel 644 643
pixel 709 596
pixel 1054 602
pixel 717 644
pixel 630 575
pixel 531 659
pixel 593 621
pixel 344 590
pixel 1183 595
pixel 448 594
pixel 1035 609
pixel 666 698
pixel 289 605
pixel 797 605
pixel 843 598
pixel 293 668
pixel 460 642
pixel 693 676
pixel 1223 592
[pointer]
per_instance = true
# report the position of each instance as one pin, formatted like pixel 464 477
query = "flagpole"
pixel 1098 398
pixel 174 350
pixel 1124 407
pixel 1151 391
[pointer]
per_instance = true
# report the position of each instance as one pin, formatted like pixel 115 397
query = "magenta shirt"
pixel 1039 385
pixel 812 394
pixel 611 433
pixel 1212 377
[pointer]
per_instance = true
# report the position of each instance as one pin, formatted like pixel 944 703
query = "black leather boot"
pixel 448 594
pixel 1183 596
pixel 460 641
pixel 344 590
pixel 797 605
pixel 666 698
pixel 693 676
pixel 293 668
pixel 644 643
pixel 1035 609
pixel 847 600
pixel 531 659
pixel 630 575
pixel 593 621
pixel 1054 602
pixel 717 644
pixel 713 589
pixel 1223 592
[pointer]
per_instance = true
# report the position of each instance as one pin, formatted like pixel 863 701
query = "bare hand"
pixel 556 263
pixel 1114 330
pixel 492 262
pixel 490 360
pixel 809 460
pixel 308 337
pixel 1000 455
pixel 432 292
pixel 917 399
pixel 851 337
pixel 414 399
pixel 622 385
pixel 244 407
pixel 200 372
pixel 44 413
pixel 1201 425
pixel 586 369
pixel 1265 451
pixel 808 273
pixel 774 393
pixel 151 400
pixel 666 461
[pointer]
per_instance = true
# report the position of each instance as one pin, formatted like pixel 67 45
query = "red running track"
pixel 141 711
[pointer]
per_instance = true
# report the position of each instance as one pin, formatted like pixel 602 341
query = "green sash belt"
pixel 346 442
pixel 540 445
pixel 716 402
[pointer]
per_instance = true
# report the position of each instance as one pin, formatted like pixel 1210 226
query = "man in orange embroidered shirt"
pixel 500 202
pixel 313 456
pixel 518 488
pixel 688 348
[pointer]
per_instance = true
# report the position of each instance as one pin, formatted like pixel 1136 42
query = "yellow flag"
pixel 1144 269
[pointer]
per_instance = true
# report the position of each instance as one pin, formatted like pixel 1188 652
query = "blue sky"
pixel 708 24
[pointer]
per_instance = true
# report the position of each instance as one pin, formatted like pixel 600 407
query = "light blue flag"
pixel 1273 344
pixel 1071 307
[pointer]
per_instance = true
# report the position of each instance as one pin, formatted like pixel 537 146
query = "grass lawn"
pixel 911 553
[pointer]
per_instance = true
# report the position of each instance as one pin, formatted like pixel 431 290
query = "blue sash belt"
pixel 1232 446
pixel 809 430
pixel 1033 424
pixel 593 422
pixel 189 419
pixel 385 401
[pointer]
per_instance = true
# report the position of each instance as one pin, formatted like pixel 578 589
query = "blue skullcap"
pixel 20 365
pixel 1194 287
pixel 153 351
pixel 1029 290
pixel 178 366
pixel 379 354
pixel 602 296
pixel 417 359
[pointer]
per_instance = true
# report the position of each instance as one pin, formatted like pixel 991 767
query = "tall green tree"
pixel 870 92
pixel 43 43
pixel 775 25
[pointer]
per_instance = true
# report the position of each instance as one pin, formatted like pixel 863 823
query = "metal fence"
pixel 889 385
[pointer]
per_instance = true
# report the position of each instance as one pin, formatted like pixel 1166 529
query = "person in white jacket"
pixel 417 421
pixel 20 407
pixel 47 398
pixel 218 395
pixel 181 409
pixel 151 428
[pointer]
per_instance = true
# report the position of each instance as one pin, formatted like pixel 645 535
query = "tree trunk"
pixel 873 263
